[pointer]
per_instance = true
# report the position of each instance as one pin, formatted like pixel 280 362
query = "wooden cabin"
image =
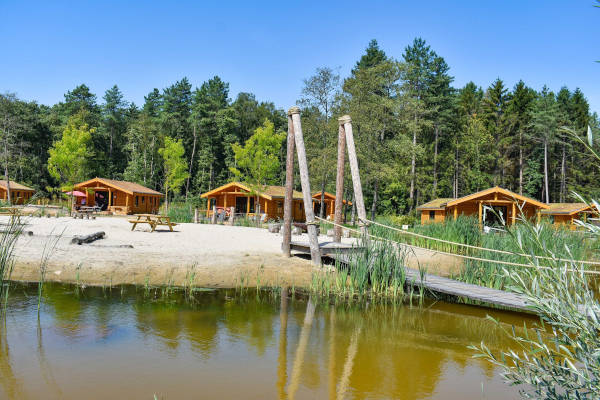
pixel 20 194
pixel 329 203
pixel 565 214
pixel 502 201
pixel 238 195
pixel 119 197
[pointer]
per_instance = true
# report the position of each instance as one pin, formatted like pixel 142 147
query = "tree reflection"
pixel 11 385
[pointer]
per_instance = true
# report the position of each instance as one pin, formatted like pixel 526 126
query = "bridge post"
pixel 339 184
pixel 311 225
pixel 358 194
pixel 289 189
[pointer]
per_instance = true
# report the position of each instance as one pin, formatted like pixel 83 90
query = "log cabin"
pixel 240 196
pixel 503 202
pixel 329 202
pixel 120 197
pixel 565 214
pixel 20 194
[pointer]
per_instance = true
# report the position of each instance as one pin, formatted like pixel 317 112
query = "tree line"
pixel 417 136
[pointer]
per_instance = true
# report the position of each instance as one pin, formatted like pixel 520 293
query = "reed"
pixel 9 234
pixel 49 247
pixel 376 272
pixel 560 242
pixel 560 360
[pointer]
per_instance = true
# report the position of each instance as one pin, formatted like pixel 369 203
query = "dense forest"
pixel 418 137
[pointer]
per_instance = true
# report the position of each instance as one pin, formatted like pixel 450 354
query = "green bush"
pixel 181 212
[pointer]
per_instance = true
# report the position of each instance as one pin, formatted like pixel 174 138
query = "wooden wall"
pixel 438 216
pixel 273 208
pixel 123 202
pixel 18 196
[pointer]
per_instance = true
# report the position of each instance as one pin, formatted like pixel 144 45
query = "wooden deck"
pixel 434 283
pixel 328 249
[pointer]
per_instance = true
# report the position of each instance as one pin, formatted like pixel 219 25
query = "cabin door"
pixel 241 205
pixel 101 199
pixel 494 215
pixel 317 207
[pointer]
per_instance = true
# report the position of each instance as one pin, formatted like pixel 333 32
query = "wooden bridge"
pixel 341 252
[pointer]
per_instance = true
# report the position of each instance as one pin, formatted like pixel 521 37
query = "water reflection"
pixel 13 388
pixel 270 346
pixel 282 350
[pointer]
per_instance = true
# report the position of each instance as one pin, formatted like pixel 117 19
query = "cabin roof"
pixel 566 208
pixel 317 196
pixel 15 186
pixel 125 186
pixel 269 192
pixel 436 204
pixel 497 189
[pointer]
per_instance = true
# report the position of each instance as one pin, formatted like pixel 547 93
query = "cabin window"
pixel 279 206
pixel 431 215
pixel 143 199
pixel 552 219
pixel 137 199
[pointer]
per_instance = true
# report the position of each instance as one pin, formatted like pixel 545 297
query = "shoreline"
pixel 216 255
pixel 212 256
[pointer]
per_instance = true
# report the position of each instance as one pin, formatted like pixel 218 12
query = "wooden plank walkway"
pixel 434 283
pixel 328 249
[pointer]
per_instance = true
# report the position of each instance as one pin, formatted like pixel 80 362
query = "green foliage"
pixel 417 137
pixel 377 272
pixel 258 160
pixel 174 164
pixel 69 157
pixel 181 212
pixel 560 360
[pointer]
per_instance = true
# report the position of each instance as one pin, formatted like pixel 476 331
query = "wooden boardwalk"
pixel 433 283
pixel 328 249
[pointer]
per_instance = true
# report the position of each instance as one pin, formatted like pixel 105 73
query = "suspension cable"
pixel 510 263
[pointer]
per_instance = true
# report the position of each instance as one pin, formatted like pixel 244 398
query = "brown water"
pixel 227 345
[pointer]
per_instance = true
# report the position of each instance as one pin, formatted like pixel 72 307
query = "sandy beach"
pixel 211 255
pixel 216 255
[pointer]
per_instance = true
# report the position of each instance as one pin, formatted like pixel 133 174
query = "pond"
pixel 137 344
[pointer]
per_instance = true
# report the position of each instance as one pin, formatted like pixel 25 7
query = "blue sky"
pixel 267 48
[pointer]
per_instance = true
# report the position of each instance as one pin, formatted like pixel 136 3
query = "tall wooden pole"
pixel 358 194
pixel 339 184
pixel 315 251
pixel 289 190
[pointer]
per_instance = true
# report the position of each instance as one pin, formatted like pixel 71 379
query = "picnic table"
pixel 153 220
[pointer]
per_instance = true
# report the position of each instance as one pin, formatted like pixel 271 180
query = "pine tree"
pixel 113 128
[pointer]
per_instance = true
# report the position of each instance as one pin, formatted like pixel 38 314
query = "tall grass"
pixel 375 271
pixel 9 233
pixel 181 212
pixel 559 241
pixel 561 360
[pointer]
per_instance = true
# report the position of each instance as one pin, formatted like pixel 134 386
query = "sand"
pixel 214 255
pixel 207 255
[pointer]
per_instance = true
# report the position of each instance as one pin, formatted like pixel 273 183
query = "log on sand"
pixel 87 238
